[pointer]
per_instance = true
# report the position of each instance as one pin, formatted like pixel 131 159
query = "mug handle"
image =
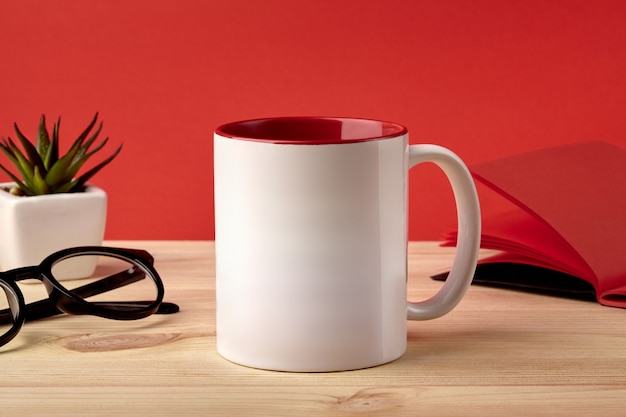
pixel 468 217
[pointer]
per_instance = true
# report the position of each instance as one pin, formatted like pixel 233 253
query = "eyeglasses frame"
pixel 62 300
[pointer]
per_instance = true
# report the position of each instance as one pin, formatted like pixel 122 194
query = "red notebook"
pixel 566 231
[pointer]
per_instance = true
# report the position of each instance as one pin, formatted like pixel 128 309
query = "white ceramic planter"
pixel 32 228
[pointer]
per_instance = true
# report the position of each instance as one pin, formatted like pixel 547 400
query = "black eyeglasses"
pixel 96 281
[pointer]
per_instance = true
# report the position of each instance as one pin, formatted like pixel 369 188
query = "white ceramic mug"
pixel 311 241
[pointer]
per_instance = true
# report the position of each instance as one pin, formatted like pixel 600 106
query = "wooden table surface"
pixel 499 353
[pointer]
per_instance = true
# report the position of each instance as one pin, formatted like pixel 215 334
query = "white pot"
pixel 32 228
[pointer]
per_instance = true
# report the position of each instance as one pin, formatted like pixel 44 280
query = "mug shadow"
pixel 477 344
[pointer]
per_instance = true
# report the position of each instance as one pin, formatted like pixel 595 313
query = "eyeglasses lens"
pixel 106 279
pixel 6 320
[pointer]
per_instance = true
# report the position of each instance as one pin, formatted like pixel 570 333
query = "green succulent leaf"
pixel 85 147
pixel 39 185
pixel 43 139
pixel 82 180
pixel 21 163
pixel 79 141
pixel 25 188
pixel 6 148
pixel 68 187
pixel 32 155
pixel 57 173
pixel 52 153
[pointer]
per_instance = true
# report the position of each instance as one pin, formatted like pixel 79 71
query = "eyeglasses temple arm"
pixel 46 308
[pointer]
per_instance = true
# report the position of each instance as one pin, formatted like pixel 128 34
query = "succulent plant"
pixel 43 170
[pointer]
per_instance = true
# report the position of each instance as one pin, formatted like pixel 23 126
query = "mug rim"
pixel 311 130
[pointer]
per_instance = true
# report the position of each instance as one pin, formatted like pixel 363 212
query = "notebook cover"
pixel 571 216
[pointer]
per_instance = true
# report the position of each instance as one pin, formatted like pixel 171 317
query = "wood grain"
pixel 499 353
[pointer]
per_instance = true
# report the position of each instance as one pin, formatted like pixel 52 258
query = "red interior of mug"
pixel 311 130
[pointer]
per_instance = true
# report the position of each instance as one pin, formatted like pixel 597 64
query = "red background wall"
pixel 484 78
